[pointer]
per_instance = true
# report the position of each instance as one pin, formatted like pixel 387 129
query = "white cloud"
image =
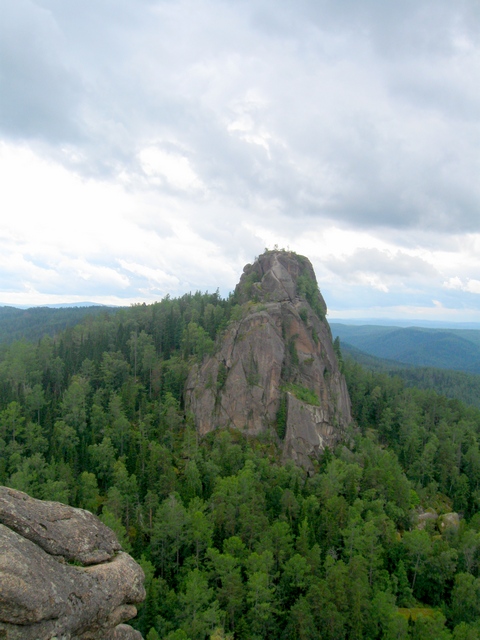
pixel 174 168
pixel 156 276
pixel 453 283
pixel 471 285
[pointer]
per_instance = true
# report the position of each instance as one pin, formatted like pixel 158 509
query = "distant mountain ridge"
pixel 457 349
pixel 60 305
pixel 447 382
pixel 410 322
pixel 35 322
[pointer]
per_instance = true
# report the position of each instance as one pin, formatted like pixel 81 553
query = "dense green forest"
pixel 453 384
pixel 234 543
pixel 34 323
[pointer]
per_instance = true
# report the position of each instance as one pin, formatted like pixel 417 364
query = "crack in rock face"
pixel 279 350
pixel 42 596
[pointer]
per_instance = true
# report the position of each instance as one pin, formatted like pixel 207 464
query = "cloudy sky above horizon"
pixel 153 147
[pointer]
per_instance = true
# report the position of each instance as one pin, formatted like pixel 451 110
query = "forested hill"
pixel 33 323
pixel 452 384
pixel 441 348
pixel 382 540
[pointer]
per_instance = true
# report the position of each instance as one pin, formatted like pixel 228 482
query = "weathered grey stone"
pixel 60 530
pixel 309 431
pixel 42 598
pixel 125 632
pixel 448 520
pixel 280 338
pixel 426 516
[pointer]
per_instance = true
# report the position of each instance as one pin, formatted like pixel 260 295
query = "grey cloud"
pixel 363 128
pixel 375 261
pixel 392 166
pixel 396 29
pixel 365 298
pixel 40 94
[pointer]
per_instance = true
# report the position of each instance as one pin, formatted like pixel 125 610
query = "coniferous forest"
pixel 381 541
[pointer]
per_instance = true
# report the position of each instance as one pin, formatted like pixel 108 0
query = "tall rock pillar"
pixel 275 366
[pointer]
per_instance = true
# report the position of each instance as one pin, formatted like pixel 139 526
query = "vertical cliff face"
pixel 275 367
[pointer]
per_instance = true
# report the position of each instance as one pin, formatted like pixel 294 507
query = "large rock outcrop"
pixel 275 366
pixel 63 574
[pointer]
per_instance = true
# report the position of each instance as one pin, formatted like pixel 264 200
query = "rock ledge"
pixel 42 596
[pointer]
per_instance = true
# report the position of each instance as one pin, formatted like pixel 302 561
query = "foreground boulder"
pixel 275 368
pixel 448 521
pixel 42 596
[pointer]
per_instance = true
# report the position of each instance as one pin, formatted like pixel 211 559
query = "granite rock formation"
pixel 275 366
pixel 63 574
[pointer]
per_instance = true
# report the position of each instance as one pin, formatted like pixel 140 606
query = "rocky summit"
pixel 63 574
pixel 275 367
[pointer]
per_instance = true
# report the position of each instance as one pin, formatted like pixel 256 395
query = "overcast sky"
pixel 156 146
